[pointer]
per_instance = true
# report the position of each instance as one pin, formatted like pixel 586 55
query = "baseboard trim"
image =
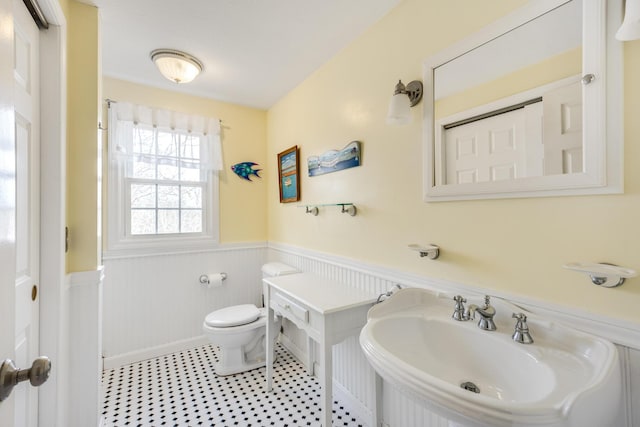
pixel 151 352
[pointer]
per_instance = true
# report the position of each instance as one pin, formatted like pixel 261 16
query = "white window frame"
pixel 119 240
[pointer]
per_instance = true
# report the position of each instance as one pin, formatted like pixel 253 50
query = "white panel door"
pixel 7 202
pixel 491 149
pixel 562 110
pixel 27 137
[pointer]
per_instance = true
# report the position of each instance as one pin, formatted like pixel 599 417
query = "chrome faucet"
pixel 458 311
pixel 486 315
pixel 521 334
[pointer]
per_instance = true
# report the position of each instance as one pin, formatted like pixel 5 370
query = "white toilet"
pixel 239 331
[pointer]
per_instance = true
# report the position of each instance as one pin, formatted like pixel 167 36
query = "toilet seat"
pixel 233 316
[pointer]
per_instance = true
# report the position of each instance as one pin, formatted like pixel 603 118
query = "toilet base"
pixel 223 370
pixel 240 348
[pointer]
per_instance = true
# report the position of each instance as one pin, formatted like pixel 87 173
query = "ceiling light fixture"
pixel 402 100
pixel 177 66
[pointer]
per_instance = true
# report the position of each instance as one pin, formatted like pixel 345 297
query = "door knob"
pixel 37 374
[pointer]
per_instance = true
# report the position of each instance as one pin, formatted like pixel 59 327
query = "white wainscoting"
pixel 355 378
pixel 154 304
pixel 85 345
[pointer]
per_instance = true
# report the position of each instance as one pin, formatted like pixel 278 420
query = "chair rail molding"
pixel 617 330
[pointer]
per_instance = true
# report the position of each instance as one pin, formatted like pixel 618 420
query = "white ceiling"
pixel 253 51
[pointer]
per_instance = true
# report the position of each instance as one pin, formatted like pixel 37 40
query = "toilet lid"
pixel 233 316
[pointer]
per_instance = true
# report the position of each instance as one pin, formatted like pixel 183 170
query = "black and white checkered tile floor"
pixel 181 389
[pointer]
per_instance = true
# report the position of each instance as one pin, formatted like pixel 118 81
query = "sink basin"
pixel 566 378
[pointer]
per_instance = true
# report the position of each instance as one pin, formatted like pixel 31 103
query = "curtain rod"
pixel 112 101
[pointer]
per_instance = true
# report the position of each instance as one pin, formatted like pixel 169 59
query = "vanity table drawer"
pixel 289 308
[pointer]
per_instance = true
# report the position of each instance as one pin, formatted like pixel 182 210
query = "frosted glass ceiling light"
pixel 630 28
pixel 402 100
pixel 179 67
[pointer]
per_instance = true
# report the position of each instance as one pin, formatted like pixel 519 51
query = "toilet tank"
pixel 273 269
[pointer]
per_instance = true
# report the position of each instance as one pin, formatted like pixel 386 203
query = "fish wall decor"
pixel 245 169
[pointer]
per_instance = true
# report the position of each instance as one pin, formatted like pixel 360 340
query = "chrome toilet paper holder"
pixel 204 278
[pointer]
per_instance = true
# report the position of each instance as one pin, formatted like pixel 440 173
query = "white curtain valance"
pixel 125 117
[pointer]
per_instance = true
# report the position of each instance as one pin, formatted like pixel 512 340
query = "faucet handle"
pixel 458 311
pixel 521 333
pixel 520 316
pixel 459 299
pixel 487 300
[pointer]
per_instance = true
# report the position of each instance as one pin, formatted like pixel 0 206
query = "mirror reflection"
pixel 512 108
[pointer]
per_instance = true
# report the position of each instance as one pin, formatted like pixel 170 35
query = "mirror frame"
pixel 602 110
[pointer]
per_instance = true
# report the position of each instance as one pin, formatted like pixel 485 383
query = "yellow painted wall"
pixel 515 246
pixel 83 95
pixel 242 203
pixel 64 4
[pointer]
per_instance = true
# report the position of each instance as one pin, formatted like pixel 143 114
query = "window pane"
pixel 191 197
pixel 168 168
pixel 190 147
pixel 167 144
pixel 143 196
pixel 190 171
pixel 168 221
pixel 143 141
pixel 143 221
pixel 144 168
pixel 168 196
pixel 192 221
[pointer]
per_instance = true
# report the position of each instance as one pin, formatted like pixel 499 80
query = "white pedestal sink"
pixel 478 378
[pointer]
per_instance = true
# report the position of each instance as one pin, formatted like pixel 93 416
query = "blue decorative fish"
pixel 244 170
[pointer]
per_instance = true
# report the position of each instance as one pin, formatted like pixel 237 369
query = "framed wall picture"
pixel 336 160
pixel 289 174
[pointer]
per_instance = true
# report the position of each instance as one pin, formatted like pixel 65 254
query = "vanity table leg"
pixel 326 380
pixel 270 335
pixel 309 355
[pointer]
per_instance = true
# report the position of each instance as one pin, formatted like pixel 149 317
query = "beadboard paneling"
pixel 157 300
pixel 357 380
pixel 152 301
pixel 85 317
pixel 633 397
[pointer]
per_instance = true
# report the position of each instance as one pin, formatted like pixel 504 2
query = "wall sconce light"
pixel 177 66
pixel 630 28
pixel 404 97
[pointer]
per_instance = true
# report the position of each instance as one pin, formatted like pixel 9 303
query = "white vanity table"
pixel 328 311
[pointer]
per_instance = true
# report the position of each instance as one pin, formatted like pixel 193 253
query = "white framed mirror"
pixel 529 106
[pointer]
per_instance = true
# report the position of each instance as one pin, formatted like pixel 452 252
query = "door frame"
pixel 54 325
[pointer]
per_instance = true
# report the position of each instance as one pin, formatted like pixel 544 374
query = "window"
pixel 165 183
pixel 162 179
